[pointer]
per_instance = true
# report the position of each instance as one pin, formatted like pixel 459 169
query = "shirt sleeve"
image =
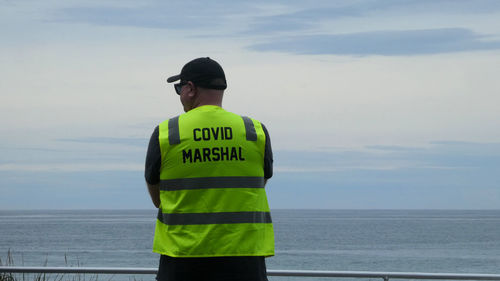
pixel 268 156
pixel 153 159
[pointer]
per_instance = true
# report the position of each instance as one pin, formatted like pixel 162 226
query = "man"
pixel 206 170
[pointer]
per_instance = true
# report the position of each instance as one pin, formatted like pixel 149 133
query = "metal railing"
pixel 296 273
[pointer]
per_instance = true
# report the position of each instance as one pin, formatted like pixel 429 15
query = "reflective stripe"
pixel 250 129
pixel 213 182
pixel 215 218
pixel 173 131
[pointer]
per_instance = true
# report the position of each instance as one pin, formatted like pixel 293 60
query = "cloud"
pixel 71 167
pixel 386 43
pixel 445 155
pixel 297 21
pixel 73 190
pixel 122 16
pixel 180 15
pixel 439 175
pixel 303 17
pixel 258 18
pixel 76 154
pixel 141 142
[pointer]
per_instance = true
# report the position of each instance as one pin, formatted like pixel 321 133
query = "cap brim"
pixel 173 78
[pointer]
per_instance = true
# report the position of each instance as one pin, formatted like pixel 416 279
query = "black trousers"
pixel 212 269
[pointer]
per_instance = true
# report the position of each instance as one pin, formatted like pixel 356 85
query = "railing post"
pixel 386 278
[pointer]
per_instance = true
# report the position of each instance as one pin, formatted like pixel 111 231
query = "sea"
pixel 437 241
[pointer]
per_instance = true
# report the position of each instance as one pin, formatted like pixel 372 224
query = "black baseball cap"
pixel 203 72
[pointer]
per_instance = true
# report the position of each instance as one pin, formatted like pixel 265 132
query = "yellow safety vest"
pixel 213 201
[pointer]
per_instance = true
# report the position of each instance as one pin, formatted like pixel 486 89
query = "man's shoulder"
pixel 243 116
pixel 170 118
pixel 256 122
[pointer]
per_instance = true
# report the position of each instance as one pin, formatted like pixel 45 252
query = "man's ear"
pixel 192 90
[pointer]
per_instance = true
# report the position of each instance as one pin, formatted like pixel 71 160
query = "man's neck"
pixel 209 97
pixel 219 104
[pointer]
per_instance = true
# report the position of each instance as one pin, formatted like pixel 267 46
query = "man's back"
pixel 206 171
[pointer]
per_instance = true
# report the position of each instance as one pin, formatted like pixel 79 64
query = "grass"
pixel 9 261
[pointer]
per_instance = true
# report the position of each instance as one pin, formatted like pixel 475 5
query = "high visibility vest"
pixel 213 201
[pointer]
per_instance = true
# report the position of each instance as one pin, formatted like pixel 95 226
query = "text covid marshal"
pixel 208 154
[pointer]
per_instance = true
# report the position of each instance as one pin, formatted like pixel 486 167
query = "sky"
pixel 369 104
